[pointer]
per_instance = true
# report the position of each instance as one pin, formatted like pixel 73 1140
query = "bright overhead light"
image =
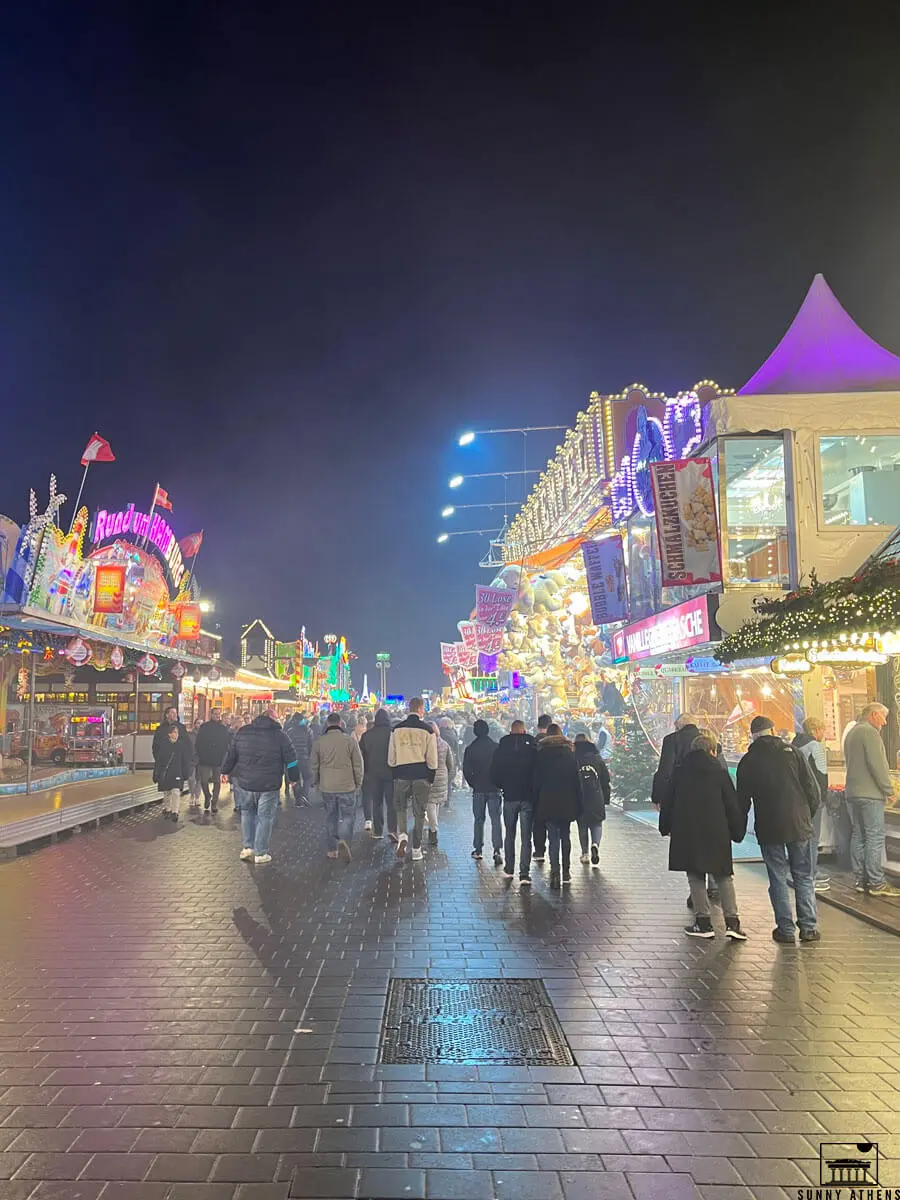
pixel 467 438
pixel 443 537
pixel 448 511
pixel 456 481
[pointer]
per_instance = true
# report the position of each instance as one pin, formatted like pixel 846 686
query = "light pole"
pixel 445 536
pixel 456 481
pixel 467 438
pixel 383 661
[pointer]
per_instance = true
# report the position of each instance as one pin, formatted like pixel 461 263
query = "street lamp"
pixel 448 511
pixel 467 438
pixel 443 537
pixel 458 480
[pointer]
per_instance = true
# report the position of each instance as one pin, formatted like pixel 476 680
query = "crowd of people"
pixel 530 790
pixel 703 813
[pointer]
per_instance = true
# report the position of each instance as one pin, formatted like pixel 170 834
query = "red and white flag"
pixel 98 449
pixel 161 499
pixel 191 544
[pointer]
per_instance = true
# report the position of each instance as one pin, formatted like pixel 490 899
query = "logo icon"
pixel 848 1162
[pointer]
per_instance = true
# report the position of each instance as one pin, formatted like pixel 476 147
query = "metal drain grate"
pixel 508 1022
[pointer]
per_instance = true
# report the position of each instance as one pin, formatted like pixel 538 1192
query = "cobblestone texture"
pixel 152 986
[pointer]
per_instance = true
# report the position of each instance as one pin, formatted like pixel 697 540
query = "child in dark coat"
pixel 699 810
pixel 173 770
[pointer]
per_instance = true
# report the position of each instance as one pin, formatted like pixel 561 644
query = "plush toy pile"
pixel 550 639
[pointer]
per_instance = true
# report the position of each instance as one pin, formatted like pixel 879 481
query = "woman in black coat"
pixel 557 798
pixel 173 770
pixel 699 811
pixel 595 793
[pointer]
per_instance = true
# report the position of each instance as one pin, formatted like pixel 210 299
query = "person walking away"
pixel 775 778
pixel 538 827
pixel 413 759
pixel 485 796
pixel 700 814
pixel 378 781
pixel 451 737
pixel 299 734
pixel 512 772
pixel 213 738
pixel 558 798
pixel 811 744
pixel 172 771
pixel 675 747
pixel 439 788
pixel 595 795
pixel 257 758
pixel 194 781
pixel 337 771
pixel 357 729
pixel 867 787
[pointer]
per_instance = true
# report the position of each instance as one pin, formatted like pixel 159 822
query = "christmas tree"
pixel 632 764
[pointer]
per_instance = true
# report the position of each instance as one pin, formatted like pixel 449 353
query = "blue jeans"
pixel 867 840
pixel 517 811
pixel 782 862
pixel 340 815
pixel 596 832
pixel 258 811
pixel 559 835
pixel 486 802
pixel 236 794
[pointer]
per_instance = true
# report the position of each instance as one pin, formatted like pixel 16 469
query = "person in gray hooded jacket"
pixel 337 771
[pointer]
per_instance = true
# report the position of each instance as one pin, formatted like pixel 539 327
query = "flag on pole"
pixel 161 499
pixel 98 449
pixel 191 544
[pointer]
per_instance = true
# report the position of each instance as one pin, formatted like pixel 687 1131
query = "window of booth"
pixel 860 480
pixel 753 499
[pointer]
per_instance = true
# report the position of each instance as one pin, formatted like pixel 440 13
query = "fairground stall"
pixel 100 623
pixel 793 611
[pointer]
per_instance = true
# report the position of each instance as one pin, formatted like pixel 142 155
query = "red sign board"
pixel 109 588
pixel 679 628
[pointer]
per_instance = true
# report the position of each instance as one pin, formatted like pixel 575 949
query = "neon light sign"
pixel 675 437
pixel 140 525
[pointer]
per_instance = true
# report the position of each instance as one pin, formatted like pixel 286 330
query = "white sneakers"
pixel 245 855
pixel 417 855
pixel 367 826
pixel 261 859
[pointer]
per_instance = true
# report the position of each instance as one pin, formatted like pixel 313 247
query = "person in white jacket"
pixel 413 759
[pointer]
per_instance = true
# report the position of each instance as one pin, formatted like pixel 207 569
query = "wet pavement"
pixel 179 1026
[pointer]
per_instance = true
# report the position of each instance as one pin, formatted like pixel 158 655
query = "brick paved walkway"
pixel 151 984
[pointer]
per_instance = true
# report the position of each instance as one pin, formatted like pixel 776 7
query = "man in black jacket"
pixel 512 771
pixel 785 796
pixel 213 737
pixel 257 759
pixel 485 796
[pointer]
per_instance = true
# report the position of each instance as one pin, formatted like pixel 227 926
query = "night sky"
pixel 280 254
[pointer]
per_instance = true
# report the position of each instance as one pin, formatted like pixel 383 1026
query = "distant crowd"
pixel 531 789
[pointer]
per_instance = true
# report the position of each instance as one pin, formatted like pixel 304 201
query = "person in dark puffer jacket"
pixel 257 760
pixel 595 787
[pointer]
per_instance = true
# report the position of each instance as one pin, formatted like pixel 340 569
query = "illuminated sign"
pixel 109 588
pixel 188 617
pixel 853 654
pixel 675 437
pixel 791 666
pixel 135 526
pixel 679 628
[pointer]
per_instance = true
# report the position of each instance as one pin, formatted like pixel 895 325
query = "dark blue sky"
pixel 279 254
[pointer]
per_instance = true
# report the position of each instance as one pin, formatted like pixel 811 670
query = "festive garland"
pixel 868 602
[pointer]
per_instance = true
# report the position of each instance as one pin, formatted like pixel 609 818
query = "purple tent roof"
pixel 825 351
